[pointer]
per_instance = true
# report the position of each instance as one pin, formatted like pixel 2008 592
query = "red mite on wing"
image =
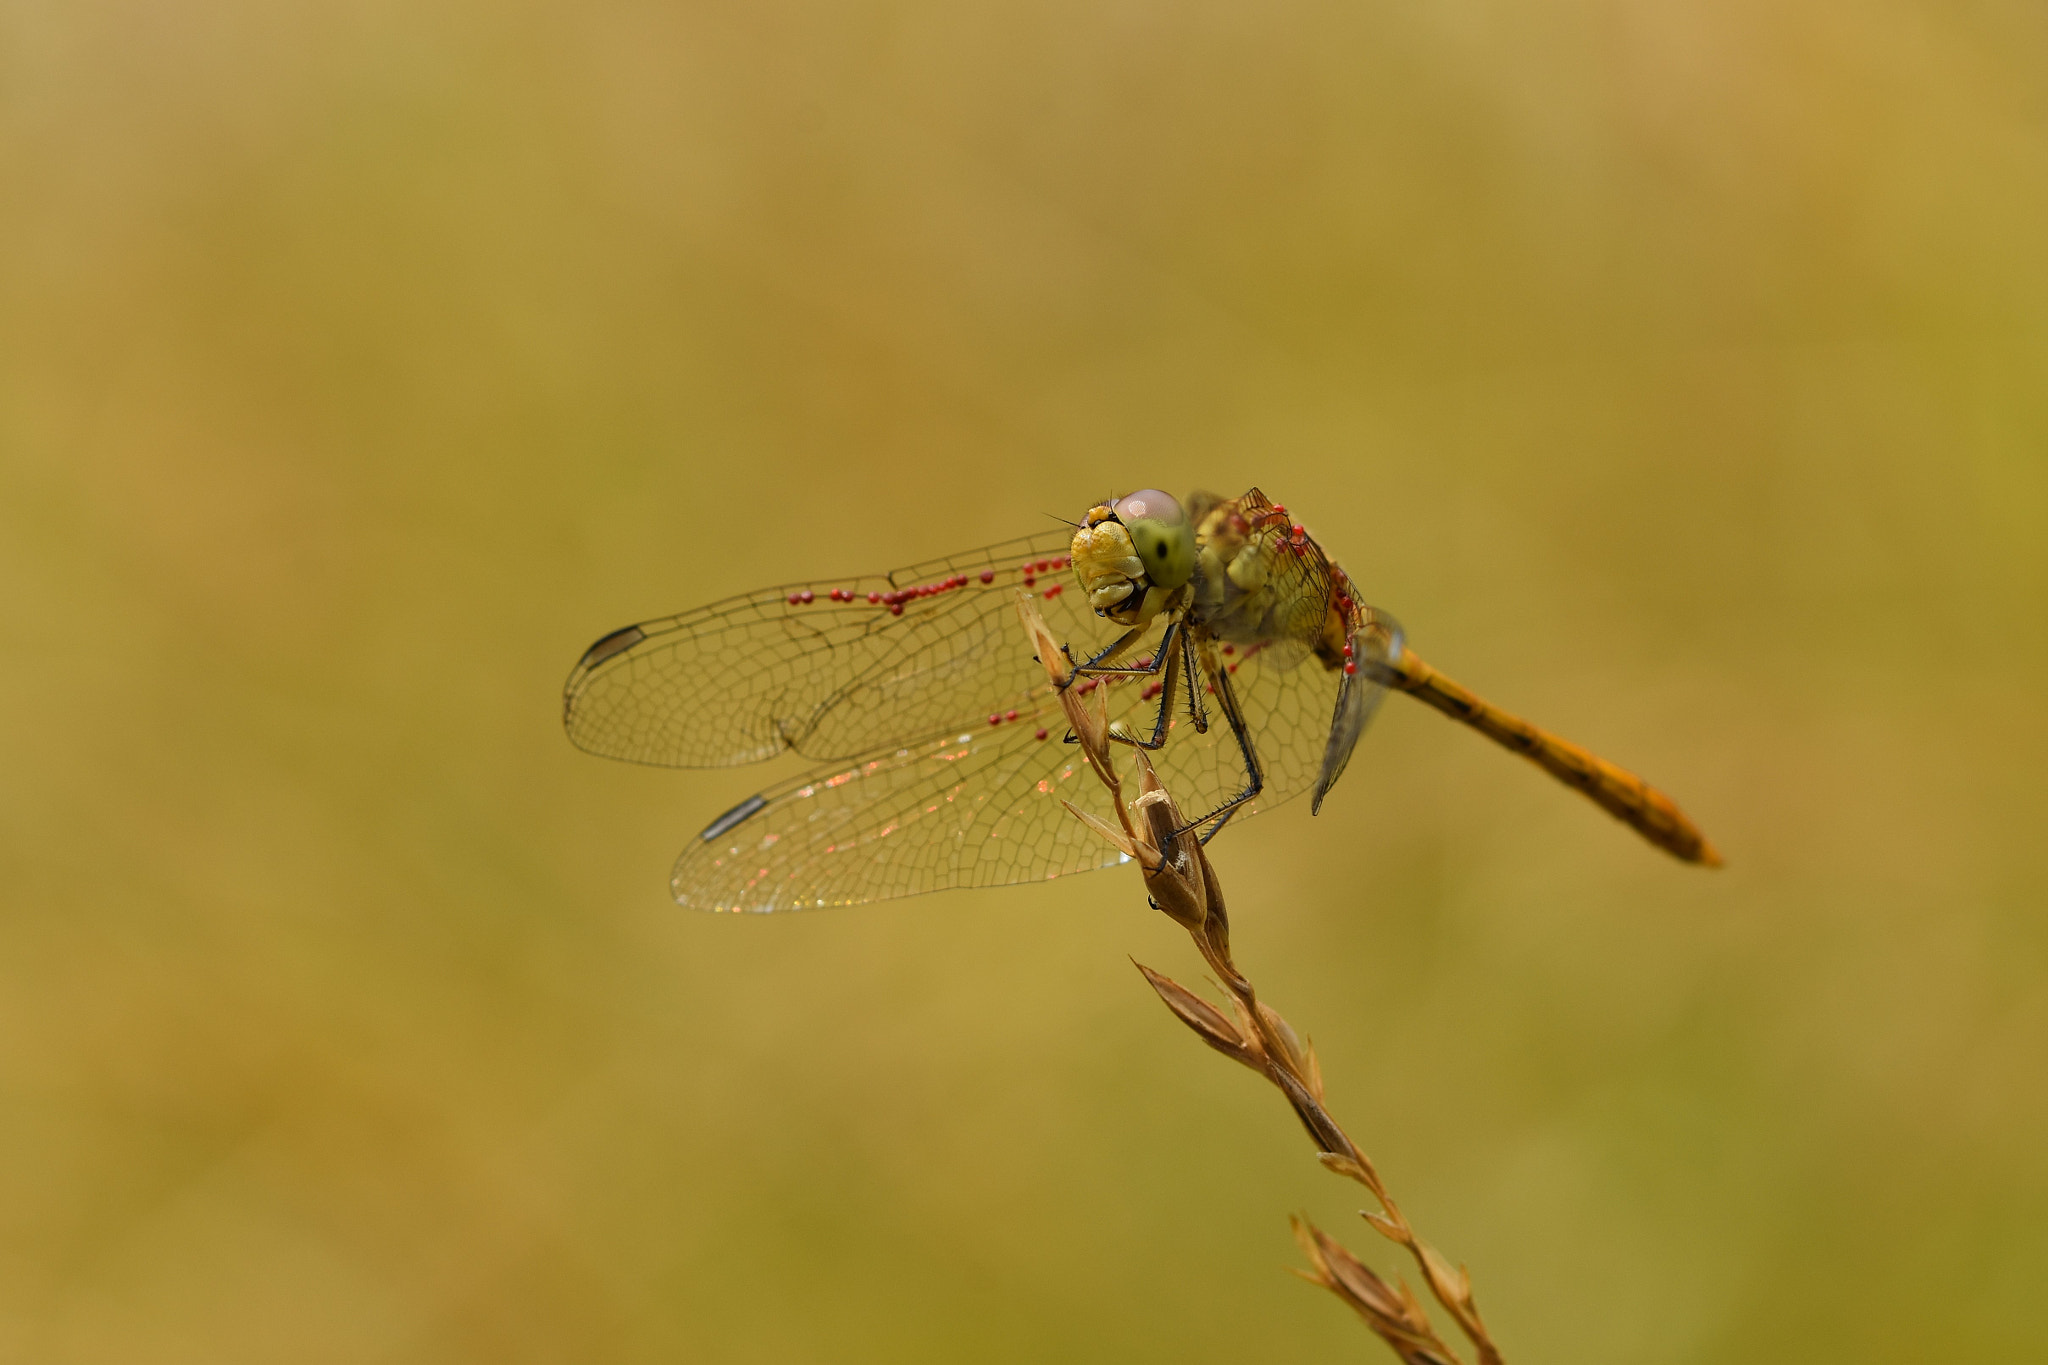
pixel 894 600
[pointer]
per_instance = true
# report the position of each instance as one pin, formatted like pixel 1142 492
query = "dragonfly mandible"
pixel 1229 643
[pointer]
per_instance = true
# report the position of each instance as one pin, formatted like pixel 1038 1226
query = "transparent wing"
pixel 829 669
pixel 976 808
pixel 981 805
pixel 1292 705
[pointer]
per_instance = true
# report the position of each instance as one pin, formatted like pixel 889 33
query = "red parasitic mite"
pixel 1041 734
pixel 988 575
pixel 1351 668
pixel 807 596
pixel 874 597
pixel 895 608
pixel 1009 715
pixel 995 720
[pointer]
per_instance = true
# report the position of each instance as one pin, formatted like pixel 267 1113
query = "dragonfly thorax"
pixel 1249 589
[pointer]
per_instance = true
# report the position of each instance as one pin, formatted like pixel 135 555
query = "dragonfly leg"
pixel 1164 659
pixel 1217 828
pixel 1254 775
pixel 1097 667
pixel 1191 670
pixel 1167 689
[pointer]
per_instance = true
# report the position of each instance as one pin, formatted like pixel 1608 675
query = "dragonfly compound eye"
pixel 1161 534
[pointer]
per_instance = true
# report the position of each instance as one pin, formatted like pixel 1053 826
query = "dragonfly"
pixel 1223 638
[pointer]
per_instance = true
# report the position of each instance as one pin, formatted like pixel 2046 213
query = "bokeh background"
pixel 1677 370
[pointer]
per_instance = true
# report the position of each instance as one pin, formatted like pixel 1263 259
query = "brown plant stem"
pixel 1183 885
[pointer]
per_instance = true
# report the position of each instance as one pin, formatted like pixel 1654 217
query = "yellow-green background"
pixel 1676 370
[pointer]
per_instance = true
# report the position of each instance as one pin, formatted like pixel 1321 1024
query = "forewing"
pixel 829 669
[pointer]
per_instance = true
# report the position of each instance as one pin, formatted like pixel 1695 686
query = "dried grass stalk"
pixel 1183 885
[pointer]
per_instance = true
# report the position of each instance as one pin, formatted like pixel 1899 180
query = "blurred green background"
pixel 1677 372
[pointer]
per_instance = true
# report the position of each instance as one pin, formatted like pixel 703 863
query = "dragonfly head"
pixel 1132 554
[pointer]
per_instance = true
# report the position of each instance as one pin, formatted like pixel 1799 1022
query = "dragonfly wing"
pixel 981 805
pixel 1288 708
pixel 1296 709
pixel 828 669
pixel 1376 642
pixel 974 808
